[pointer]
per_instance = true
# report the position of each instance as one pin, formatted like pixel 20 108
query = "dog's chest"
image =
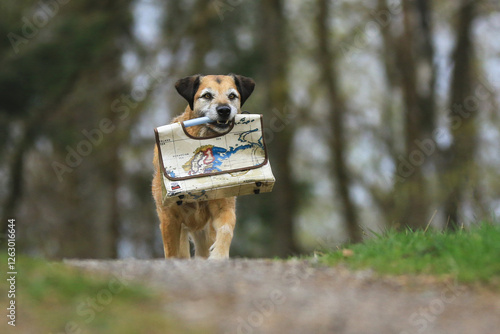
pixel 194 215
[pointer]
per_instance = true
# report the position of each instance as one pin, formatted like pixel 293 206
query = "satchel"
pixel 204 168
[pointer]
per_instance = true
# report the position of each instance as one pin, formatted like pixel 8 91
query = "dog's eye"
pixel 232 96
pixel 207 96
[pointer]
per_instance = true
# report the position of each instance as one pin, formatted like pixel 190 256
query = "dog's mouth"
pixel 218 123
pixel 221 125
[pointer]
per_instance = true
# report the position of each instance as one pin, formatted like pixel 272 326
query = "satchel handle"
pixel 197 121
pixel 201 120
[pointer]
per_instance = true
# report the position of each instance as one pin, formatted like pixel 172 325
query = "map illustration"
pixel 209 158
pixel 243 147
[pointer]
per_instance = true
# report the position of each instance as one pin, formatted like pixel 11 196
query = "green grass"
pixel 55 298
pixel 468 255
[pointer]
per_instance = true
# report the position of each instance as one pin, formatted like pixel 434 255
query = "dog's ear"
pixel 187 87
pixel 244 86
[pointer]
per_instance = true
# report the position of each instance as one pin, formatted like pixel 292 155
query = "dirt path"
pixel 265 296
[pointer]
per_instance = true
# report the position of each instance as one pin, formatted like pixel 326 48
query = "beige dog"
pixel 209 223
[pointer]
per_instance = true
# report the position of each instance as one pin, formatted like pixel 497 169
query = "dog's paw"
pixel 214 256
pixel 218 255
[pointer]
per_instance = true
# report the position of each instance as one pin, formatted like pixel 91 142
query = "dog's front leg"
pixel 202 243
pixel 171 233
pixel 223 221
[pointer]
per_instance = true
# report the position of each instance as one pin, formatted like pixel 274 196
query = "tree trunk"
pixel 16 171
pixel 273 24
pixel 413 190
pixel 412 68
pixel 460 155
pixel 337 112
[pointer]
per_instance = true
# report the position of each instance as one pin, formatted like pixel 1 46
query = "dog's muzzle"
pixel 223 112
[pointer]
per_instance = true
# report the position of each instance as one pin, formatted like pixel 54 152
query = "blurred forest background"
pixel 378 113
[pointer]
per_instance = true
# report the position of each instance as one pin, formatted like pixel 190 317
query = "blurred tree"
pixel 460 168
pixel 415 64
pixel 337 109
pixel 408 58
pixel 413 69
pixel 64 76
pixel 276 89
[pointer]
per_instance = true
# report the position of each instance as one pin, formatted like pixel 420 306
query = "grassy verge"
pixel 468 255
pixel 54 298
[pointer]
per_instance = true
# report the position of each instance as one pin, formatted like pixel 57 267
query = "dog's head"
pixel 218 97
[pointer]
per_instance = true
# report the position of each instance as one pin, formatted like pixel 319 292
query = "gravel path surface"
pixel 267 296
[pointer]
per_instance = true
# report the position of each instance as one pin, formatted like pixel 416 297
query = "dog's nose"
pixel 223 111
